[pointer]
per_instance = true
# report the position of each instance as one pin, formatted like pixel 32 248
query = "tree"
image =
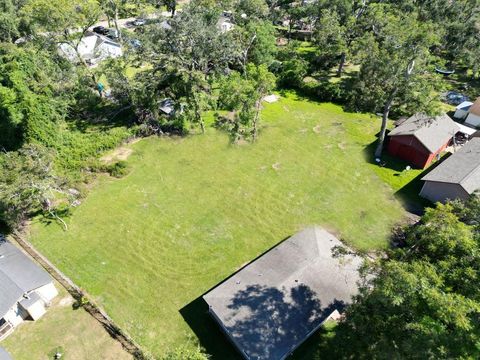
pixel 112 9
pixel 185 62
pixel 9 21
pixel 31 101
pixel 28 185
pixel 256 43
pixel 394 66
pixel 422 301
pixel 63 22
pixel 338 28
pixel 243 95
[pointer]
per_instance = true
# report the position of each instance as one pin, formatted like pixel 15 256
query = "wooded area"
pixel 209 63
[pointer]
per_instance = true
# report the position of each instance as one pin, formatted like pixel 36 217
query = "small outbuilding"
pixel 25 288
pixel 473 117
pixel 421 138
pixel 457 177
pixel 272 305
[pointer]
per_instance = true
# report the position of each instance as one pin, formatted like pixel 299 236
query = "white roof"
pixel 467 129
pixel 464 105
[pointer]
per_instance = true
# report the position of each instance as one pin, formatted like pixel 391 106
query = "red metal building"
pixel 420 138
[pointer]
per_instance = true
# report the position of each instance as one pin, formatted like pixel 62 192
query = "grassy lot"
pixel 194 209
pixel 72 332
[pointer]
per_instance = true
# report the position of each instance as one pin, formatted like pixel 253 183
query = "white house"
pixel 461 111
pixel 26 290
pixel 93 49
pixel 473 117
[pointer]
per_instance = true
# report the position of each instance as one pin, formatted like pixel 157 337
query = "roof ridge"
pixel 470 173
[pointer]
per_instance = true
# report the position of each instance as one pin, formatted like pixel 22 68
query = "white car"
pixel 139 22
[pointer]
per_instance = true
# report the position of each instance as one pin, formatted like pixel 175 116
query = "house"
pixel 461 111
pixel 457 177
pixel 25 288
pixel 93 49
pixel 420 138
pixel 271 306
pixel 473 117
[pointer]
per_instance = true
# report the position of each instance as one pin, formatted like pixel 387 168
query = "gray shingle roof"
pixel 462 168
pixel 18 275
pixel 273 304
pixel 432 132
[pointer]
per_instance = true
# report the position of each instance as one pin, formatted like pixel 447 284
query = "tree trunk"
pixel 342 64
pixel 387 108
pixel 255 120
pixel 383 129
pixel 109 21
pixel 115 20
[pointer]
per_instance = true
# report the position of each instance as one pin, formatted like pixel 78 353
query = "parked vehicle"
pixel 455 98
pixel 112 33
pixel 139 22
pixel 101 30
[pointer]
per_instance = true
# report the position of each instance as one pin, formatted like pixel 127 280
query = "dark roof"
pixel 462 168
pixel 18 275
pixel 272 305
pixel 432 132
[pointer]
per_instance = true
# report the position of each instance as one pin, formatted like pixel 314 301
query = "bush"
pixel 118 169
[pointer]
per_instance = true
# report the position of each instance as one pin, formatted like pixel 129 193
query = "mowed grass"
pixel 73 333
pixel 195 209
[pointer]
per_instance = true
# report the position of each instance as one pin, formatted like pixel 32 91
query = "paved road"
pixel 127 23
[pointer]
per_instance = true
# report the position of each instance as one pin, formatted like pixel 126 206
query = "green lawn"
pixel 195 209
pixel 74 333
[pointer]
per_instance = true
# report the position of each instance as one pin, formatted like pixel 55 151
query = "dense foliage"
pixel 423 301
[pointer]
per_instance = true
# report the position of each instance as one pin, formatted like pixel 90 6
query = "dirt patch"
pixel 65 301
pixel 276 166
pixel 317 129
pixel 120 153
pixel 342 145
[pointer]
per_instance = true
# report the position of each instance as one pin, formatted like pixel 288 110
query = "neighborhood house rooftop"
pixel 18 276
pixel 462 168
pixel 272 305
pixel 432 132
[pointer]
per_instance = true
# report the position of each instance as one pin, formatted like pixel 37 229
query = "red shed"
pixel 420 138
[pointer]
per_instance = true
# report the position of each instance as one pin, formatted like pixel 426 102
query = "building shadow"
pixel 408 194
pixel 207 331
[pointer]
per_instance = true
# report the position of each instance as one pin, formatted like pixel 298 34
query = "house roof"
pixel 475 108
pixel 464 105
pixel 272 305
pixel 18 275
pixel 461 168
pixel 432 132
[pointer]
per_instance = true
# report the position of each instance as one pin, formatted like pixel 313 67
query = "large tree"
pixel 395 63
pixel 32 99
pixel 184 62
pixel 28 185
pixel 423 302
pixel 63 22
